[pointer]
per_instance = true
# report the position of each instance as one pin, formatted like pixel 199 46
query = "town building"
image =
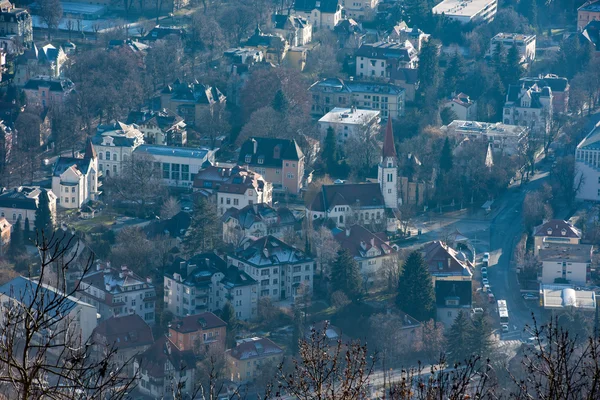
pixel 282 271
pixel 360 10
pixel 114 144
pixel 401 33
pixel 376 60
pixel 555 231
pixel 233 187
pixel 258 220
pixel 46 91
pixel 164 366
pixel 191 100
pixel 178 166
pixel 129 335
pixel 525 45
pixel 280 161
pixel 559 86
pixel 504 139
pixel 16 28
pixel 565 263
pixel 566 299
pixel 118 292
pixel 407 79
pixel 463 106
pixel 297 31
pixel 273 46
pixel 19 205
pixel 162 32
pixel 529 106
pixel 205 283
pixel 589 11
pixel 350 34
pixel 452 276
pixel 371 251
pixel 477 11
pixel 587 167
pixel 331 93
pixel 73 317
pixel 201 333
pixel 75 179
pixel 321 14
pixel 349 123
pixel 249 356
pixel 163 127
pixel 45 61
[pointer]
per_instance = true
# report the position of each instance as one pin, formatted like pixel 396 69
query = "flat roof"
pixel 349 116
pixel 173 151
pixel 566 252
pixel 513 36
pixel 561 296
pixel 487 128
pixel 463 8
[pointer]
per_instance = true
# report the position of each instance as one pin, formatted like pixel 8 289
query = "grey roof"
pixel 260 212
pixel 409 75
pixel 325 6
pixel 338 85
pixel 272 151
pixel 554 82
pixel 118 140
pixel 173 151
pixel 269 251
pixel 63 163
pixel 592 140
pixel 591 34
pixel 53 84
pixel 23 197
pixel 386 50
pixel 194 92
pixel 366 195
pixel 459 290
pixel 514 94
pixel 206 265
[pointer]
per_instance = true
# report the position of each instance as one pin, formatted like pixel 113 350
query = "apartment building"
pixel 322 14
pixel 245 360
pixel 587 167
pixel 190 99
pixel 555 231
pixel 20 204
pixel 525 45
pixel 46 91
pixel 463 106
pixel 360 10
pixel 376 60
pixel 114 143
pixel 566 263
pixel 201 333
pixel 163 127
pixel 348 123
pixel 477 11
pixel 503 138
pixel 559 86
pixel 529 106
pixel 589 11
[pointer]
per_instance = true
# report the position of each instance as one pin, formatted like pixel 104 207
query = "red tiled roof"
pixel 164 351
pixel 255 348
pixel 198 322
pixel 389 148
pixel 358 240
pixel 444 260
pixel 125 331
pixel 557 228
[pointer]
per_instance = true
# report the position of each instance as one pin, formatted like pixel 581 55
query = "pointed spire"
pixel 389 148
pixel 90 153
pixel 489 157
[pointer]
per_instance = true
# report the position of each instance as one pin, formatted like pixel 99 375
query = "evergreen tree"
pixel 228 316
pixel 512 67
pixel 26 230
pixel 528 8
pixel 480 341
pixel 17 244
pixel 454 75
pixel 416 296
pixel 446 158
pixel 499 56
pixel 204 233
pixel 345 275
pixel 429 81
pixel 447 115
pixel 458 337
pixel 43 217
pixel 417 11
pixel 329 153
pixel 280 102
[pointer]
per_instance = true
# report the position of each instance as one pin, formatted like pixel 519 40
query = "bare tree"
pixel 51 12
pixel 326 248
pixel 361 150
pixel 42 352
pixel 170 208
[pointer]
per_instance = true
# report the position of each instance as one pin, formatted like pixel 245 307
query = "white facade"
pixel 531 107
pixel 525 44
pixel 349 122
pixel 467 11
pixel 321 19
pixel 75 180
pixel 505 139
pixel 115 146
pixel 375 60
pixel 567 262
pixel 587 167
pixel 464 108
pixel 361 10
pixel 388 179
pixel 20 203
pixel 226 200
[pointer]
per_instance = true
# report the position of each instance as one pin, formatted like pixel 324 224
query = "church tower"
pixel 388 169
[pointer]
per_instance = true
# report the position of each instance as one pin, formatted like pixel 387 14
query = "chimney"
pixel 277 152
pixel 182 266
pixel 191 267
pixel 266 252
pixel 149 280
pixel 108 265
pixel 373 242
pixel 254 146
pixel 107 287
pixel 449 261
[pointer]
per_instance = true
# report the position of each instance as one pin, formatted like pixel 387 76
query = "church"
pixel 367 204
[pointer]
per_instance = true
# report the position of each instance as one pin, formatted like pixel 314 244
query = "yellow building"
pixel 244 361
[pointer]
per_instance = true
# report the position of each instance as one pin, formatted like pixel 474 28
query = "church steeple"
pixel 90 152
pixel 389 148
pixel 388 169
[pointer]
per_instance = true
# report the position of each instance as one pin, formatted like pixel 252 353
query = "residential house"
pixel 504 139
pixel 555 231
pixel 190 100
pixel 407 79
pixel 330 93
pixel 350 34
pixel 73 316
pixel 233 187
pixel 565 263
pixel 349 123
pixel 118 292
pixel 129 45
pixel 590 36
pixel 200 333
pixel 162 127
pixel 296 57
pixel 587 167
pixel 529 106
pixel 371 251
pixel 280 161
pixel 178 166
pixel 274 47
pixel 464 108
pixel 375 60
pixel 249 356
pixel 115 143
pixel 321 14
pixel 283 272
pixel 258 220
pixel 46 61
pixel 525 45
pixel 16 29
pixel 476 11
pixel 205 283
pixel 75 179
pixel 589 11
pixel 361 10
pixel 164 366
pixel 559 86
pixel 20 204
pixel 162 32
pixel 401 33
pixel 129 335
pixel 46 91
pixel 297 31
pixel 452 276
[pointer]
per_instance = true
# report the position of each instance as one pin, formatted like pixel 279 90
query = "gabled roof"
pixel 64 163
pixel 255 347
pixel 363 195
pixel 592 140
pixel 591 34
pixel 554 82
pixel 261 212
pixel 443 260
pixel 325 6
pixel 557 228
pixel 204 266
pixel 590 6
pixel 270 151
pixel 53 84
pixel 388 50
pixel 164 352
pixel 197 322
pixel 455 290
pixel 269 251
pixel 124 332
pixel 358 240
pixel 22 197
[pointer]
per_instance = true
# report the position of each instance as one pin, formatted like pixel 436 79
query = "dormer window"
pixel 563 232
pixel 261 159
pixel 549 231
pixel 248 158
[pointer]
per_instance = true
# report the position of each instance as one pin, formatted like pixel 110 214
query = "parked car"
pixel 484 272
pixel 477 310
pixel 491 298
pixel 486 257
pixel 485 282
pixel 504 328
pixel 530 296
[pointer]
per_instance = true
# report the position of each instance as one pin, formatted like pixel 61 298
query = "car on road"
pixel 485 282
pixel 530 296
pixel 484 272
pixel 477 310
pixel 504 328
pixel 486 257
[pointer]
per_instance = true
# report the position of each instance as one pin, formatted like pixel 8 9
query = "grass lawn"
pixel 86 225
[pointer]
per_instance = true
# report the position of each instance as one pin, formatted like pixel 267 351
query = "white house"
pixel 114 144
pixel 376 60
pixel 467 11
pixel 163 127
pixel 349 122
pixel 587 167
pixel 360 10
pixel 504 139
pixel 463 106
pixel 20 204
pixel 296 30
pixel 525 44
pixel 322 14
pixel 566 263
pixel 529 106
pixel 75 180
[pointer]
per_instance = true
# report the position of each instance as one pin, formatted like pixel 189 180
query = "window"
pixel 15 215
pixel 264 272
pixel 100 166
pixel 290 175
pixel 228 201
pixel 175 171
pixel 114 156
pixel 67 200
pixel 115 169
pixel 248 158
pixel 108 155
pixel 297 279
pixel 236 202
pixel 307 277
pixel 185 172
pixel 389 191
pixel 73 189
pixel 277 171
pixel 261 160
pixel 100 156
pixel 307 267
pixel 297 268
pixel 72 199
pixel 390 177
pixel 166 170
